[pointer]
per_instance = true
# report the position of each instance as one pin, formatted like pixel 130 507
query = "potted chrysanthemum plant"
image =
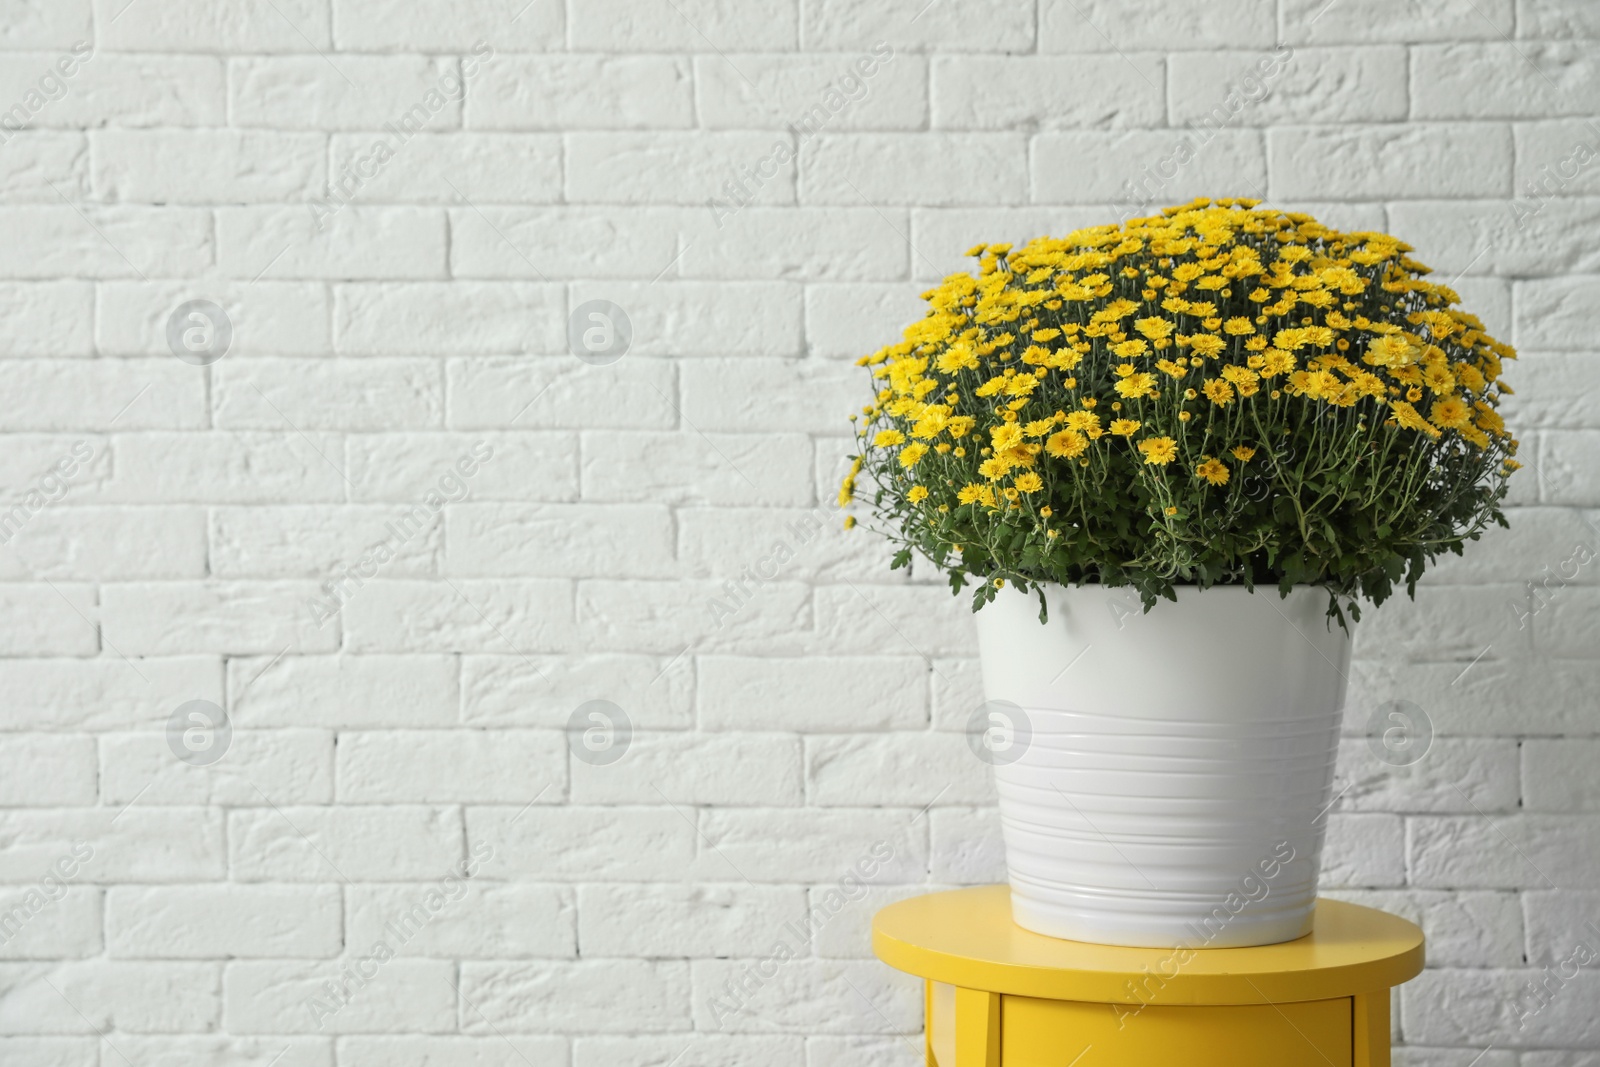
pixel 1172 458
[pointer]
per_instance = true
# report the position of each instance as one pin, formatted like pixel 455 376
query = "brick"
pixel 831 1051
pixel 1399 161
pixel 1565 461
pixel 96 395
pixel 1519 237
pixel 669 167
pixel 172 618
pixel 200 922
pixel 291 996
pixel 320 844
pixel 332 692
pixel 355 242
pixel 218 467
pixel 1131 167
pixel 705 318
pixel 806 996
pixel 1554 773
pixel 691 469
pixel 909 770
pixel 120 90
pixel 196 1050
pixel 694 769
pixel 352 92
pixel 1288 85
pixel 929 169
pixel 474 919
pixel 848 91
pixel 106 693
pixel 764 395
pixel 684 921
pixel 287 766
pixel 582 996
pixel 849 321
pixel 45 166
pixel 92 996
pixel 46 770
pixel 1556 921
pixel 957 692
pixel 109 241
pixel 967 848
pixel 579 844
pixel 406 468
pixel 1453 775
pixel 734 544
pixel 1454 623
pixel 52 1051
pixel 444 318
pixel 91 543
pixel 798 244
pixel 60 620
pixel 1499 79
pixel 207 166
pixel 1476 1007
pixel 194 26
pixel 1472 929
pixel 583 92
pixel 1555 159
pixel 1552 388
pixel 134 844
pixel 1496 697
pixel 544 691
pixel 266 317
pixel 812 693
pixel 49 318
pixel 1043 93
pixel 1498 852
pixel 460 766
pixel 618 26
pixel 482 27
pixel 893 620
pixel 1105 26
pixel 447 167
pixel 1364 851
pixel 55 922
pixel 843 914
pixel 1551 312
pixel 940 238
pixel 1551 18
pixel 816 845
pixel 560 392
pixel 263 394
pixel 511 617
pixel 417 1050
pixel 908 26
pixel 48 26
pixel 317 541
pixel 626 616
pixel 1540 544
pixel 1565 624
pixel 559 540
pixel 546 242
pixel 1375 22
pixel 698 1049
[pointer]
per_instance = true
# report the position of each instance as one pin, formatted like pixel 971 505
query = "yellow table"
pixel 1000 996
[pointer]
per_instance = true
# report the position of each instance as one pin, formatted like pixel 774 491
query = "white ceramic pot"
pixel 1163 778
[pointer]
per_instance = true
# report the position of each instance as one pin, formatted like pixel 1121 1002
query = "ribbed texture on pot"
pixel 1169 774
pixel 1164 832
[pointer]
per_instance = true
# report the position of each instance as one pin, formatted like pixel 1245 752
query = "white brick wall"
pixel 390 318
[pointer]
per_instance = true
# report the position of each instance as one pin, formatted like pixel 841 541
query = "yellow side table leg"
pixel 977 1028
pixel 1370 1016
pixel 927 1024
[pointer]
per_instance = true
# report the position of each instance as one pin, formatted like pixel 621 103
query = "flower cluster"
pixel 1219 394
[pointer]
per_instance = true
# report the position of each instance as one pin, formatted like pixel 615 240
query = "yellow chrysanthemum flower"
pixel 1243 453
pixel 1218 392
pixel 1066 444
pixel 1212 470
pixel 910 454
pixel 918 494
pixel 1159 451
pixel 1028 483
pixel 1125 427
pixel 1136 385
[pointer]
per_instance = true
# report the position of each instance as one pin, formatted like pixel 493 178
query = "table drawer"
pixel 1051 1033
